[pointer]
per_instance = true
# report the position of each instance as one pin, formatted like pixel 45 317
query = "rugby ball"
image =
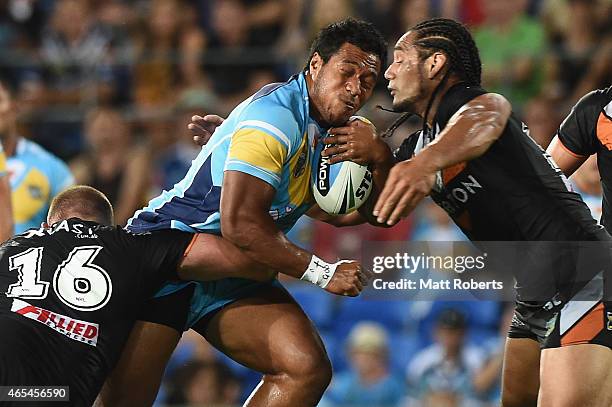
pixel 340 188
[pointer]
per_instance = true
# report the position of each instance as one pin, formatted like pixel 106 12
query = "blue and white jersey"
pixel 269 136
pixel 36 177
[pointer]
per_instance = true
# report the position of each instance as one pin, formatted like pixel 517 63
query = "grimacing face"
pixel 405 75
pixel 343 84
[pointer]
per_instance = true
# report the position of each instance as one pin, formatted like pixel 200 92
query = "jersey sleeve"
pixel 263 141
pixel 61 177
pixel 577 132
pixel 3 170
pixel 159 252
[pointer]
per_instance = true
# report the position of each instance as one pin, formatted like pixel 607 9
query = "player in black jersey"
pixel 71 292
pixel 477 161
pixel 587 130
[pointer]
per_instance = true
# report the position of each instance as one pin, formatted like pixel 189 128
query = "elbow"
pixel 238 229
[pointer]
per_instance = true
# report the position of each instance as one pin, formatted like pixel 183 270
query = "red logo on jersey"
pixel 81 331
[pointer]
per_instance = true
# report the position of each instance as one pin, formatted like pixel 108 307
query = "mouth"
pixel 349 105
pixel 391 91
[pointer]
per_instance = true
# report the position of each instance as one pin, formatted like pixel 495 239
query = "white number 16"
pixel 77 282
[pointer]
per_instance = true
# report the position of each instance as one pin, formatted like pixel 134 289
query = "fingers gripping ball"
pixel 340 188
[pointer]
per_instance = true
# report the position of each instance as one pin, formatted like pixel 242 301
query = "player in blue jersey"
pixel 250 184
pixel 36 176
pixel 6 213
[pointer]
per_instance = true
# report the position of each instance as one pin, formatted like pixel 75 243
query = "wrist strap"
pixel 319 272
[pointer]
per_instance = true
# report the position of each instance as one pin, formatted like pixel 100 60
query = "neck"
pixel 436 102
pixel 314 111
pixel 9 142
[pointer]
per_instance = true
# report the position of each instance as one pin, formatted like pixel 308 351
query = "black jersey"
pixel 512 192
pixel 587 130
pixel 69 296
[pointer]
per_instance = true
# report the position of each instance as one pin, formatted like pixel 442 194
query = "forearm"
pixel 468 134
pixel 211 257
pixel 258 238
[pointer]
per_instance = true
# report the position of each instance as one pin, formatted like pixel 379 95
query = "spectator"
pixel 168 49
pixel 173 161
pixel 581 54
pixel 510 44
pixel 200 383
pixel 114 164
pixel 542 117
pixel 487 379
pixel 445 369
pixel 74 53
pixel 36 175
pixel 369 382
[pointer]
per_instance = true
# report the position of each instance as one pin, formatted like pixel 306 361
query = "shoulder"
pixel 33 151
pixel 279 109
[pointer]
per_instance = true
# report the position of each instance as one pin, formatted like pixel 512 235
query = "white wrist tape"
pixel 320 272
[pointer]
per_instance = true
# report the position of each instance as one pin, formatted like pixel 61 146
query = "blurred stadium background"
pixel 109 86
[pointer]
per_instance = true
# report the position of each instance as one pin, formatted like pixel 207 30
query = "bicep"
pixel 565 159
pixel 243 197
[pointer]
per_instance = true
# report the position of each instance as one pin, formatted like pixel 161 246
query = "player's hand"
pixel 357 141
pixel 349 279
pixel 202 128
pixel 408 183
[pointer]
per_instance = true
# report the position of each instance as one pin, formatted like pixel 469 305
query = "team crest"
pixel 609 315
pixel 35 192
pixel 300 166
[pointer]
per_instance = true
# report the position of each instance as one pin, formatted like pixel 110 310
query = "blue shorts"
pixel 175 306
pixel 209 297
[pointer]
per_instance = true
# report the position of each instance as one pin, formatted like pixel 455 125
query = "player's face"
pixel 343 84
pixel 407 83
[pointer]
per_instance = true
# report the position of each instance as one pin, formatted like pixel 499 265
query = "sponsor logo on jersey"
pixel 323 175
pixel 81 331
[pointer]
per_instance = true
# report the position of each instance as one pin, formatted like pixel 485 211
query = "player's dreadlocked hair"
pixel 452 38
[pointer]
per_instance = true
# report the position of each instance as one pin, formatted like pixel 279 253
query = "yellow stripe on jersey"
pixel 30 196
pixel 258 148
pixel 299 176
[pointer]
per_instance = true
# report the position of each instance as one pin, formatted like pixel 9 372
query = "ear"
pixel 434 64
pixel 314 67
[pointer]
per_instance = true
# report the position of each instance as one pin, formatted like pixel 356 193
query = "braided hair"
pixel 453 39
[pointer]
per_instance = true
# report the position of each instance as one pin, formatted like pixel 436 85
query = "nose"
pixel 353 86
pixel 389 74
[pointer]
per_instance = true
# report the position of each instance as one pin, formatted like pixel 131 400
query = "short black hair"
pixel 359 33
pixel 82 202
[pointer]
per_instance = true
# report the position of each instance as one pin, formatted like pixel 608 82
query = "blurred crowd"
pixel 109 86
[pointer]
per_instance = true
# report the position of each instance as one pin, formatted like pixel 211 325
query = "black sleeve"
pixel 577 132
pixel 159 252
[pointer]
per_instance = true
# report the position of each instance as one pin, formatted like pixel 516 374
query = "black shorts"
pixel 586 318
